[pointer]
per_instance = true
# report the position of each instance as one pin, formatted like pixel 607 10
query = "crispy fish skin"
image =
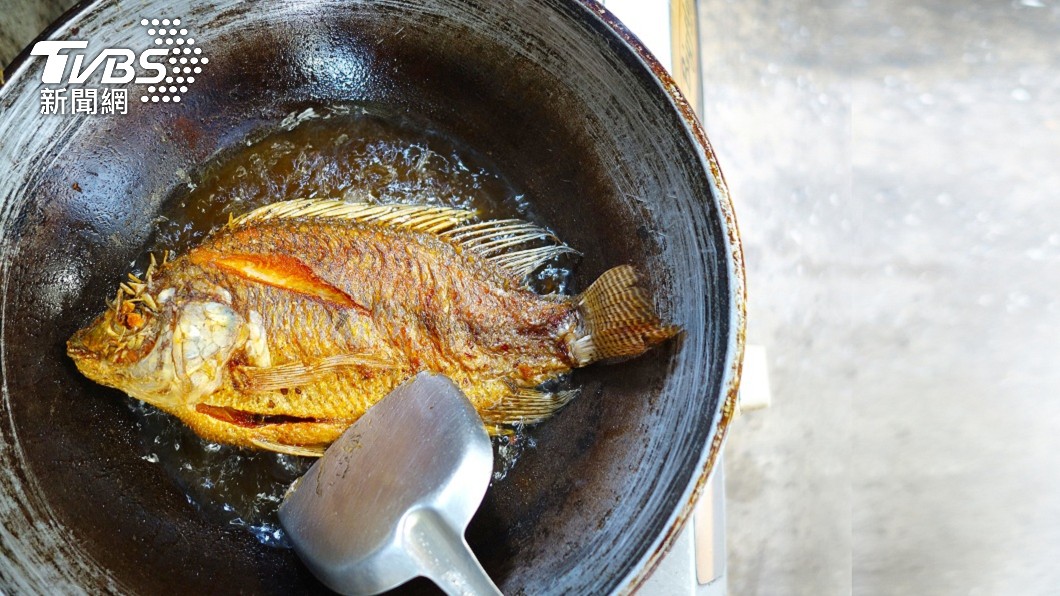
pixel 284 327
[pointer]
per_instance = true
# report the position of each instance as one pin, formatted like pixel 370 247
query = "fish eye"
pixel 131 320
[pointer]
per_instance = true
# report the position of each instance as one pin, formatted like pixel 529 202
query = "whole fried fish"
pixel 285 326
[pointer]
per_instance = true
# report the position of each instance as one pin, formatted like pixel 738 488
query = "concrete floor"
pixel 893 165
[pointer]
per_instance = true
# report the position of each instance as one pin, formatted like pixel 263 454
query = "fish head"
pixel 121 348
pixel 168 355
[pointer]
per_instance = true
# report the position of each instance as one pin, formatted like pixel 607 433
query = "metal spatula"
pixel 390 500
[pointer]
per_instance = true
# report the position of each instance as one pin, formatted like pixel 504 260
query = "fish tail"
pixel 618 319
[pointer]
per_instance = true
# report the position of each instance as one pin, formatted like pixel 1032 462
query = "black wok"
pixel 568 104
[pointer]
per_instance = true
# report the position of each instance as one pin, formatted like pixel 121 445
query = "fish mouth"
pixel 76 349
pixel 87 361
pixel 248 419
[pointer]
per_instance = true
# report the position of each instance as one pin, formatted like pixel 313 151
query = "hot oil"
pixel 340 152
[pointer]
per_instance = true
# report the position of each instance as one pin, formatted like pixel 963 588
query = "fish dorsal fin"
pixel 503 243
pixel 507 243
pixel 418 218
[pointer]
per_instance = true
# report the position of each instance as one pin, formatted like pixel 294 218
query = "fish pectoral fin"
pixel 525 406
pixel 302 450
pixel 280 271
pixel 296 374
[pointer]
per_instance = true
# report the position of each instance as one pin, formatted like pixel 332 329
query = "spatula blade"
pixel 422 448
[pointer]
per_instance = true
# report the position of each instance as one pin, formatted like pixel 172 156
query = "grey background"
pixel 894 169
pixel 894 166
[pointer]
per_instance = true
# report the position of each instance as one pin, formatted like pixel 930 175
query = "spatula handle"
pixel 445 557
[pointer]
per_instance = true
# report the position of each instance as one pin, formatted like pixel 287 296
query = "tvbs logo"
pixel 167 66
pixel 118 64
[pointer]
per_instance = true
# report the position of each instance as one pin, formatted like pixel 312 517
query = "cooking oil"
pixel 345 152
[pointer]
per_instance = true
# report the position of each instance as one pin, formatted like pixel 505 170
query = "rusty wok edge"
pixel 737 274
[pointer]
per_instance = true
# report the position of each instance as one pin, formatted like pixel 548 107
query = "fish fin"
pixel 525 406
pixel 496 241
pixel 498 430
pixel 493 240
pixel 618 319
pixel 280 271
pixel 521 263
pixel 302 450
pixel 418 218
pixel 492 237
pixel 271 378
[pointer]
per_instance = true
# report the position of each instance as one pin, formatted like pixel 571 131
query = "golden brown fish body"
pixel 281 329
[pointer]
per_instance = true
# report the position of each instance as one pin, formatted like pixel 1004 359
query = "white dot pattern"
pixel 180 50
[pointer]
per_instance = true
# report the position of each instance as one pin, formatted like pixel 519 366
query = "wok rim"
pixel 737 293
pixel 734 260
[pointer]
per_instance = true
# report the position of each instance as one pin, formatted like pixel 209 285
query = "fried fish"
pixel 282 328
